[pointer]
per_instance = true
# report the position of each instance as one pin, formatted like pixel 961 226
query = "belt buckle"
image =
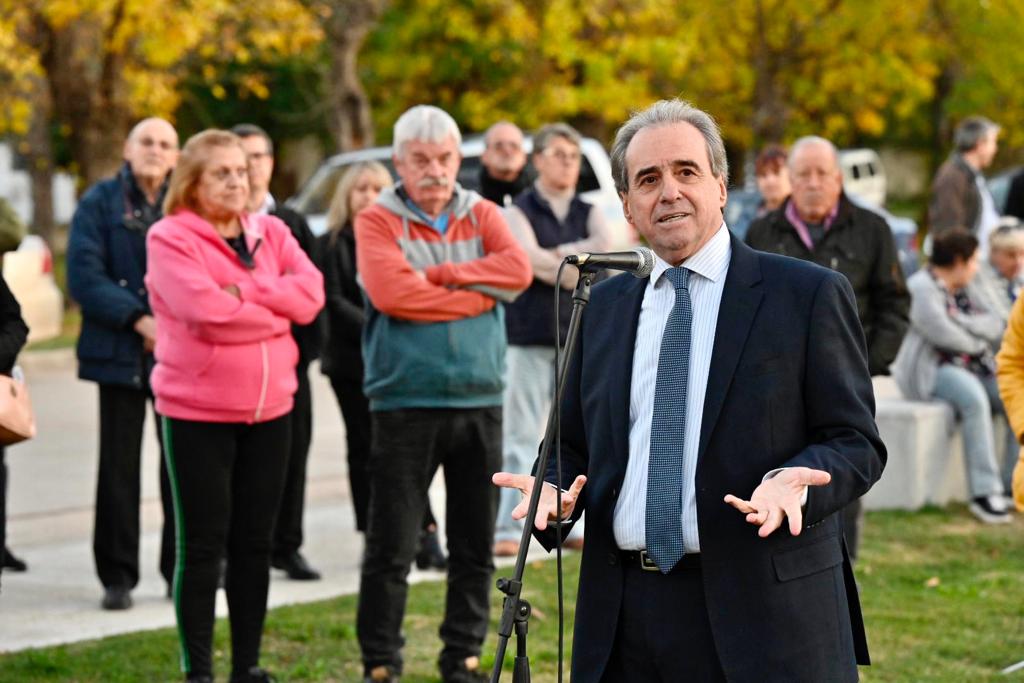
pixel 646 563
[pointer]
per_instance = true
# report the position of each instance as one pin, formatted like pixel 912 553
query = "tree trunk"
pixel 87 91
pixel 350 117
pixel 40 164
pixel 769 113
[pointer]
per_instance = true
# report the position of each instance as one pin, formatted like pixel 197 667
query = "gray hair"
pixel 251 130
pixel 807 141
pixel 662 113
pixel 543 137
pixel 425 123
pixel 971 131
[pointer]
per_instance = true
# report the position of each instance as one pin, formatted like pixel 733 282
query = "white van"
pixel 595 183
pixel 863 174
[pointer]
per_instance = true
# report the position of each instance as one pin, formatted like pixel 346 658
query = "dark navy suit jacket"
pixel 788 386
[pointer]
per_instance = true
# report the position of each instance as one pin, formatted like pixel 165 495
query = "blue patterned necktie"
pixel 668 428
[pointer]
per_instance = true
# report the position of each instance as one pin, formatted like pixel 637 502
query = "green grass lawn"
pixel 943 596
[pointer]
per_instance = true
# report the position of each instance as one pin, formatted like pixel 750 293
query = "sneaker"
pixel 430 555
pixel 381 674
pixel 464 671
pixel 990 509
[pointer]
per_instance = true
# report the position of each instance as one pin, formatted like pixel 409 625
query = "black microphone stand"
pixel 515 613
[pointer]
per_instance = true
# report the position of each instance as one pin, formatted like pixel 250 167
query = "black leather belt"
pixel 639 558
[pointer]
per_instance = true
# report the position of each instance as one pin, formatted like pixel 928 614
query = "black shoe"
pixel 430 555
pixel 296 567
pixel 381 674
pixel 253 675
pixel 13 563
pixel 463 671
pixel 199 679
pixel 116 598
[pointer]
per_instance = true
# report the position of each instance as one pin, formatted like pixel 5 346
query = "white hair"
pixel 807 141
pixel 425 123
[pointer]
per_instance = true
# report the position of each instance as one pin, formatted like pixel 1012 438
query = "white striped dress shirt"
pixel 709 266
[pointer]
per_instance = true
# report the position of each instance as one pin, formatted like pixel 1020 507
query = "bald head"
pixel 816 178
pixel 503 155
pixel 151 150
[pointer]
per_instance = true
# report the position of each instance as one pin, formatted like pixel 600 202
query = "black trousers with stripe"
pixel 226 480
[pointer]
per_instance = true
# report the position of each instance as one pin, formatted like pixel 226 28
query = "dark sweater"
pixel 308 337
pixel 342 355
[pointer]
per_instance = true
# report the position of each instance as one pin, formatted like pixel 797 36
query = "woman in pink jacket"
pixel 225 287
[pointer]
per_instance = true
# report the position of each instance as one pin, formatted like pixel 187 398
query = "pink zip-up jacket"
pixel 221 358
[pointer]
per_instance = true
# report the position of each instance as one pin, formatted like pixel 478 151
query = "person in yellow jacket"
pixel 1010 374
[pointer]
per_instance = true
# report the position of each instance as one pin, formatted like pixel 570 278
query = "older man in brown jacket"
pixel 960 197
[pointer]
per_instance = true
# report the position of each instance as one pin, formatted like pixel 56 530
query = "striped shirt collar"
pixel 711 262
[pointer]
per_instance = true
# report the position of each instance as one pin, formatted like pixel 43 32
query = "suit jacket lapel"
pixel 623 315
pixel 740 300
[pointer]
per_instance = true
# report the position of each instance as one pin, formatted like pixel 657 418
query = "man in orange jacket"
pixel 436 262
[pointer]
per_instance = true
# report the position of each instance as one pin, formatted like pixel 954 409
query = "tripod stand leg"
pixel 521 667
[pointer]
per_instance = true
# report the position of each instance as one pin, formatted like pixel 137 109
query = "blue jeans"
pixel 975 400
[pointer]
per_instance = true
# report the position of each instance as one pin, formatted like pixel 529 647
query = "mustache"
pixel 433 181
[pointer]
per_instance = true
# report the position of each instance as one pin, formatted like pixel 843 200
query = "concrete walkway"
pixel 52 482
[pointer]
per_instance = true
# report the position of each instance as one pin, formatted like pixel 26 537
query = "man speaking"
pixel 716 418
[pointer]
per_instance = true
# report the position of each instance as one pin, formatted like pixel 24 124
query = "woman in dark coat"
pixel 341 358
pixel 13 333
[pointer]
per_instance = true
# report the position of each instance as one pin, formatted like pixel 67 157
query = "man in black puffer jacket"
pixel 819 223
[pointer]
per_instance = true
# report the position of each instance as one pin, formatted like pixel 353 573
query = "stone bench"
pixel 926 464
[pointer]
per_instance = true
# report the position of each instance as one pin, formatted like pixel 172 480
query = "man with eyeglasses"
pixel 106 264
pixel 285 555
pixel 503 171
pixel 550 221
pixel 819 223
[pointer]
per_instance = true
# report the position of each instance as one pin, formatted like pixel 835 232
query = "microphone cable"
pixel 558 469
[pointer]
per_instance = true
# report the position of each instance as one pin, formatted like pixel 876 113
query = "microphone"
pixel 639 262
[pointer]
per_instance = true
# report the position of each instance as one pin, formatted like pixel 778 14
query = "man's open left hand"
pixel 779 497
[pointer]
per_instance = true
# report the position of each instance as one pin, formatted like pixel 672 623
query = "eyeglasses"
pixel 563 157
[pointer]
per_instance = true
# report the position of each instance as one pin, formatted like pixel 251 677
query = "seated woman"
pixel 947 355
pixel 225 287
